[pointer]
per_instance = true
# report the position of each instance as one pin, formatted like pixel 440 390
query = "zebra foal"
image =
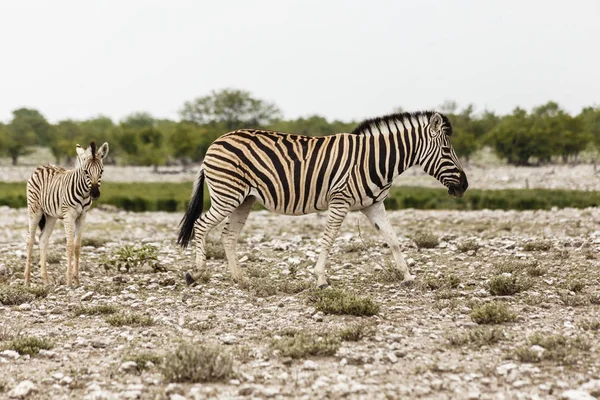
pixel 56 193
pixel 294 175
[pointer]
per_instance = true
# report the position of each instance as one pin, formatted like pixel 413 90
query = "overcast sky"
pixel 341 59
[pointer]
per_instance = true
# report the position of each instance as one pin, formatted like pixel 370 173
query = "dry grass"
pixel 29 345
pixel 130 319
pixel 302 344
pixel 507 285
pixel 477 337
pixel 538 245
pixel 492 313
pixel 468 245
pixel 425 240
pixel 144 360
pixel 100 309
pixel 18 294
pixel 193 362
pixel 557 348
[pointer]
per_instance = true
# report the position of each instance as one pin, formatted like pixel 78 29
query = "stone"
pixel 128 366
pixel 318 316
pixel 24 307
pixel 575 394
pixel 46 353
pixel 87 297
pixel 228 339
pixel 22 390
pixel 592 387
pixel 10 354
pixel 392 357
pixel 310 365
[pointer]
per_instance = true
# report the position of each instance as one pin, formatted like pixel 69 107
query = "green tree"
pixel 65 135
pixel 18 137
pixel 512 138
pixel 234 108
pixel 30 120
pixel 590 124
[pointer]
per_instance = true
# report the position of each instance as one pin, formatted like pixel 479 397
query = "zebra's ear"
pixel 103 151
pixel 79 150
pixel 435 125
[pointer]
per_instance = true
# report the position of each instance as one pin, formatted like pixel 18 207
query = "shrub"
pixel 492 313
pixel 507 285
pixel 337 301
pixel 193 362
pixel 29 345
pixel 301 344
pixel 131 257
pixel 101 309
pixel 477 337
pixel 425 240
pixel 132 319
pixel 18 294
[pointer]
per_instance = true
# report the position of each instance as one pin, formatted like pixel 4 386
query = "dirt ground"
pixel 422 343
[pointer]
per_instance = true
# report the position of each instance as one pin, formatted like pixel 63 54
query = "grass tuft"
pixel 492 313
pixel 558 348
pixel 19 294
pixel 195 363
pixel 538 245
pixel 302 344
pixel 480 336
pixel 130 257
pixel 144 360
pixel 100 309
pixel 469 245
pixel 354 332
pixel 508 285
pixel 425 240
pixel 338 301
pixel 131 319
pixel 29 345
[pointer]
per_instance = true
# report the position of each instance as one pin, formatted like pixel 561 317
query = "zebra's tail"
pixel 186 226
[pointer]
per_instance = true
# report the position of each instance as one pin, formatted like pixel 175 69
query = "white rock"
pixel 24 307
pixel 318 317
pixel 10 354
pixel 310 365
pixel 22 390
pixel 47 353
pixel 128 366
pixel 392 357
pixel 66 380
pixel 593 387
pixel 574 394
pixel 505 368
pixel 177 396
pixel 87 296
pixel 228 339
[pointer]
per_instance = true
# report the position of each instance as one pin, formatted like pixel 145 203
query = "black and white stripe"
pixel 295 175
pixel 56 193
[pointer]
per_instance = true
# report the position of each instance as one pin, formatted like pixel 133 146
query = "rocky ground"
pixel 577 177
pixel 505 306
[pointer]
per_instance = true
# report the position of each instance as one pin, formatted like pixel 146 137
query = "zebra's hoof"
pixel 188 279
pixel 408 283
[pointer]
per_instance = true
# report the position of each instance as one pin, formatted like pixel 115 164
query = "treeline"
pixel 546 134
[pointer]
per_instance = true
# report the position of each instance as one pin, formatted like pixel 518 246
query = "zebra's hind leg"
pixel 338 209
pixel 213 217
pixel 230 234
pixel 35 216
pixel 44 237
pixel 69 222
pixel 77 246
pixel 376 214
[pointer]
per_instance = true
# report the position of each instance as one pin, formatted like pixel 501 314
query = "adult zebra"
pixel 294 175
pixel 56 193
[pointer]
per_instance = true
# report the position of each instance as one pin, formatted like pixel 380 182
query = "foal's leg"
pixel 69 222
pixel 34 219
pixel 376 214
pixel 79 222
pixel 230 235
pixel 44 237
pixel 338 209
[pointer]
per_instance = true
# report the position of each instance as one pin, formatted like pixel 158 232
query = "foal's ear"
pixel 435 125
pixel 103 151
pixel 80 150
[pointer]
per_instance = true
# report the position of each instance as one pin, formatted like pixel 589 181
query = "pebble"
pixel 88 296
pixel 318 316
pixel 228 339
pixel 593 387
pixel 310 365
pixel 24 307
pixel 10 354
pixel 575 394
pixel 22 390
pixel 392 357
pixel 128 366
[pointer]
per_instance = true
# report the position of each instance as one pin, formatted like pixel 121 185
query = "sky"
pixel 341 59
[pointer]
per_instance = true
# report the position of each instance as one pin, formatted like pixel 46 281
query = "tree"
pixel 65 135
pixel 144 146
pixel 18 137
pixel 31 120
pixel 512 138
pixel 189 142
pixel 590 123
pixel 234 108
pixel 138 120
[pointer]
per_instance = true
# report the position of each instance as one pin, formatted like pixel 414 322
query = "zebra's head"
pixel 90 160
pixel 438 158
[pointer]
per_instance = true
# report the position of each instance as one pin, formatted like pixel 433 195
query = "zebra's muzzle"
pixel 95 192
pixel 460 189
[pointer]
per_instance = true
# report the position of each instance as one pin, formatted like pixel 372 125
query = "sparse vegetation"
pixel 492 313
pixel 468 245
pixel 144 360
pixel 214 249
pixel 18 294
pixel 507 285
pixel 100 309
pixel 552 347
pixel 131 319
pixel 29 345
pixel 538 245
pixel 354 332
pixel 425 240
pixel 130 257
pixel 197 362
pixel 574 300
pixel 302 344
pixel 511 266
pixel 477 337
pixel 338 301
pixel 574 285
pixel 440 282
pixel 93 241
pixel 266 287
pixel 590 325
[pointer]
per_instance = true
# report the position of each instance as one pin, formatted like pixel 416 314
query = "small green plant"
pixel 214 249
pixel 302 344
pixel 196 363
pixel 131 319
pixel 535 271
pixel 574 285
pixel 590 325
pixel 511 266
pixel 574 300
pixel 101 309
pixel 425 240
pixel 552 347
pixel 337 301
pixel 19 294
pixel 29 345
pixel 507 285
pixel 440 282
pixel 144 360
pixel 480 336
pixel 353 333
pixel 130 257
pixel 492 313
pixel 93 242
pixel 468 245
pixel 538 245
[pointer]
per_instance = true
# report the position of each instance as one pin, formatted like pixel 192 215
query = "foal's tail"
pixel 186 230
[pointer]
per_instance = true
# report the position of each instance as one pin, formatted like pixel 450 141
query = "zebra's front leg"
pixel 230 235
pixel 77 247
pixel 377 216
pixel 69 222
pixel 337 212
pixel 44 237
pixel 34 219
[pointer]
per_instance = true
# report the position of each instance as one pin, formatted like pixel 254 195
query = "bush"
pixel 507 285
pixel 492 313
pixel 192 362
pixel 301 344
pixel 337 301
pixel 18 294
pixel 131 319
pixel 29 345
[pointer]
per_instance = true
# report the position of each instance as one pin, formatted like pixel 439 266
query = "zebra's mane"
pixel 371 122
pixel 93 148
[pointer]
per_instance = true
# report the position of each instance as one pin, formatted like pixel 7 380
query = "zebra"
pixel 296 175
pixel 57 193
